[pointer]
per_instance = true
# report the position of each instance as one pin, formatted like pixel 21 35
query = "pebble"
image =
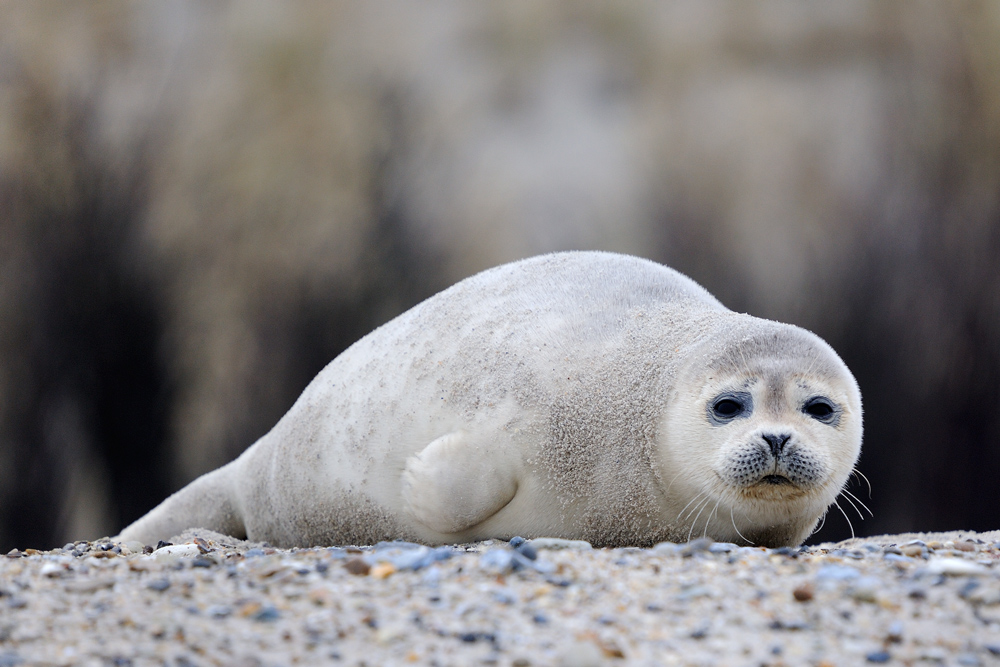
pixel 540 543
pixel 174 552
pixel 954 567
pixel 405 603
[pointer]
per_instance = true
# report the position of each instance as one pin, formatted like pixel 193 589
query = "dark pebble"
pixel 469 637
pixel 527 551
pixel 878 656
pixel 121 661
pixel 785 551
pixel 357 566
pixel 158 585
pixel 516 541
pixel 541 619
pixel 699 633
pixel 993 648
pixel 652 606
pixel 161 544
pixel 967 588
pixel 267 614
pixel 777 649
pixel 10 659
pixel 202 562
pixel 69 546
pixel 322 567
pixel 700 545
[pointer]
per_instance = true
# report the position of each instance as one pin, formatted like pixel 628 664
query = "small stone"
pixel 161 544
pixel 837 573
pixel 254 553
pixel 804 593
pixel 894 633
pixel 722 547
pixel 357 566
pixel 52 570
pixel 521 662
pixel 866 589
pixel 994 649
pixel 897 558
pixel 89 585
pixel 878 656
pixel 527 551
pixel 135 546
pixel 965 545
pixel 266 614
pixel 171 552
pixel 13 553
pixel 159 585
pixel 516 541
pixel 954 567
pixel 219 611
pixel 382 570
pixel 702 544
pixel 556 543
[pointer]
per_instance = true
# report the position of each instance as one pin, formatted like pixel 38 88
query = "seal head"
pixel 765 424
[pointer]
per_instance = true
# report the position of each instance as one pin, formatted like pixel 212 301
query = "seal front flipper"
pixel 455 483
pixel 207 502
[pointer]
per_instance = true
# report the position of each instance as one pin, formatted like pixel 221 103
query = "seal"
pixel 581 395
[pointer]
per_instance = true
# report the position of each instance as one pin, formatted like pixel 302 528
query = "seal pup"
pixel 583 395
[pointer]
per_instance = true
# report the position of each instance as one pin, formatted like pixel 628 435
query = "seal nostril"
pixel 775 442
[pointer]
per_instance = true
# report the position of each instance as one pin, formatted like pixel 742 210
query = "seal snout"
pixel 776 442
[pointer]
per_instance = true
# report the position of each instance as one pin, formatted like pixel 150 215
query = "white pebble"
pixel 954 566
pixel 558 543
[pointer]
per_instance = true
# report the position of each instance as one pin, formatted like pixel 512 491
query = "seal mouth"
pixel 776 480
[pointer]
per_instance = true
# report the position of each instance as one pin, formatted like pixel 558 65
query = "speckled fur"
pixel 580 380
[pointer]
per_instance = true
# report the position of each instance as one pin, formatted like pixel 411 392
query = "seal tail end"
pixel 207 502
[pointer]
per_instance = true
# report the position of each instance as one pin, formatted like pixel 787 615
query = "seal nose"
pixel 775 442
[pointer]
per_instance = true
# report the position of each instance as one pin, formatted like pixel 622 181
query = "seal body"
pixel 583 395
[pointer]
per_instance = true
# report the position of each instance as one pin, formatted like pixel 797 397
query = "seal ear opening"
pixel 207 502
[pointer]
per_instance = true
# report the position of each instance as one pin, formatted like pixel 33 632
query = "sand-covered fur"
pixel 582 395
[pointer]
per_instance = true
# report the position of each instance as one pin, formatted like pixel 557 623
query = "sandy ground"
pixel 919 599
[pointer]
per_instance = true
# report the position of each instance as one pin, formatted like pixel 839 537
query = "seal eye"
pixel 730 406
pixel 821 409
pixel 727 408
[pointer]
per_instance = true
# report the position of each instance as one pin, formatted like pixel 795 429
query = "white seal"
pixel 580 395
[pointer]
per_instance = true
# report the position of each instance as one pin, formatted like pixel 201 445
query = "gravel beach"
pixel 208 599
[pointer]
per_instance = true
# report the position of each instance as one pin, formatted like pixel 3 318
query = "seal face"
pixel 778 430
pixel 581 395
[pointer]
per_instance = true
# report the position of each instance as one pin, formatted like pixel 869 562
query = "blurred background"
pixel 201 204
